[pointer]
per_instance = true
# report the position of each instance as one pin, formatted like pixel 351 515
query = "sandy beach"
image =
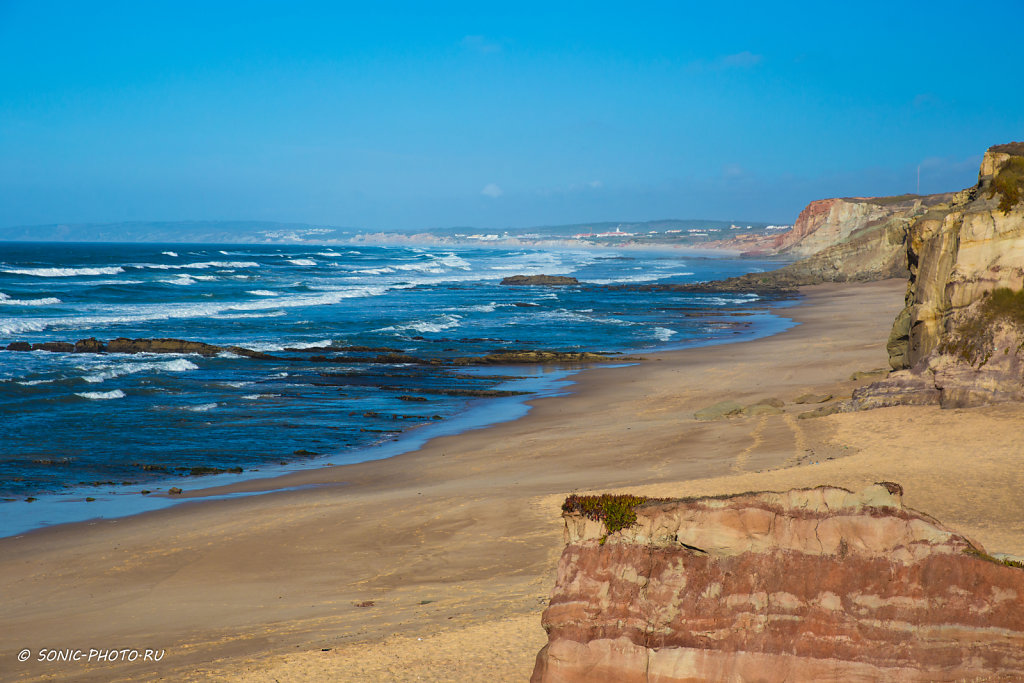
pixel 436 565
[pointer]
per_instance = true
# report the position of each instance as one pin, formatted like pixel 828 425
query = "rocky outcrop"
pixel 143 345
pixel 808 585
pixel 548 280
pixel 959 340
pixel 957 253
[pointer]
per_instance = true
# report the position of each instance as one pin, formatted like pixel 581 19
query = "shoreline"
pixel 401 568
pixel 52 509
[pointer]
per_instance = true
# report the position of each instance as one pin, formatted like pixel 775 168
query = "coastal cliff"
pixel 839 240
pixel 959 340
pixel 812 584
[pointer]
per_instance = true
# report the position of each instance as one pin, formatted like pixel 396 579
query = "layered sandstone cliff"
pixel 840 240
pixel 953 343
pixel 818 584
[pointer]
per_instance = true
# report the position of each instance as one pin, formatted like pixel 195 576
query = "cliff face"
pixel 960 340
pixel 820 584
pixel 840 240
pixel 957 253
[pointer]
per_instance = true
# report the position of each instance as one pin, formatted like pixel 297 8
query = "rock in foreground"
pixel 816 584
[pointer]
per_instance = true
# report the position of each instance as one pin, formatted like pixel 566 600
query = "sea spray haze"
pixel 107 420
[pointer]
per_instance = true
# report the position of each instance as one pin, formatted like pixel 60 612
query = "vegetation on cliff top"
pixel 616 511
pixel 1009 183
pixel 974 338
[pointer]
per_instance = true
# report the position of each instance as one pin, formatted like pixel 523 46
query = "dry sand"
pixel 455 545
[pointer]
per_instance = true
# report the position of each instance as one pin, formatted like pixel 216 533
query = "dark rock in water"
pixel 525 304
pixel 19 346
pixel 249 353
pixel 531 356
pixel 174 491
pixel 412 398
pixel 56 347
pixel 125 345
pixel 548 280
pixel 90 345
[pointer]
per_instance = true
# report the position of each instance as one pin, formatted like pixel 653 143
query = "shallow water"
pixel 104 422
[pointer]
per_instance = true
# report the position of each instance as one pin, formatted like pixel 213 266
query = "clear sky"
pixel 390 115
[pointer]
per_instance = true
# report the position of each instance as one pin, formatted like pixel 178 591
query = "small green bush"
pixel 1009 183
pixel 616 511
pixel 973 340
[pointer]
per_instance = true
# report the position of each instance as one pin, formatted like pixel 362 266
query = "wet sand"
pixel 436 564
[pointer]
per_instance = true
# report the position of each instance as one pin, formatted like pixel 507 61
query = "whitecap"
pixel 110 371
pixel 34 382
pixel 202 408
pixel 146 312
pixel 169 253
pixel 663 333
pixel 64 272
pixel 262 292
pixel 444 322
pixel 302 261
pixel 45 301
pixel 101 395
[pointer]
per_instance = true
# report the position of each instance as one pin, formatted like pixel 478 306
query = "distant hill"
pixel 271 232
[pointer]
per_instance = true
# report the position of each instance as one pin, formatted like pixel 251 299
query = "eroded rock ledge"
pixel 814 584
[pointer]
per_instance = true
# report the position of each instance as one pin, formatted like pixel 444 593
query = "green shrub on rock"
pixel 1009 184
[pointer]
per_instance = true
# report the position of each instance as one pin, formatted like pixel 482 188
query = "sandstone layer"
pixel 813 584
pixel 839 240
pixel 950 345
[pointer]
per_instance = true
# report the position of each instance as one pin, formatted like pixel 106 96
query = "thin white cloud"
pixel 491 190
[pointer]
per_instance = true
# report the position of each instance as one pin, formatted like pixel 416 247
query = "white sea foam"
pixel 254 397
pixel 236 385
pixel 175 311
pixel 244 316
pixel 453 261
pixel 202 408
pixel 302 261
pixel 45 301
pixel 663 333
pixel 101 395
pixel 645 277
pixel 169 253
pixel 444 322
pixel 64 272
pixel 183 279
pixel 201 265
pixel 111 370
pixel 262 292
pixel 34 382
pixel 328 253
pixel 269 347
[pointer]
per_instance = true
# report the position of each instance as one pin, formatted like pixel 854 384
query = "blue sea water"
pixel 119 422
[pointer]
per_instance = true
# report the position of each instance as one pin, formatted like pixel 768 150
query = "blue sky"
pixel 410 115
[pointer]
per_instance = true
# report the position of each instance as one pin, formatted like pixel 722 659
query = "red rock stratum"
pixel 808 585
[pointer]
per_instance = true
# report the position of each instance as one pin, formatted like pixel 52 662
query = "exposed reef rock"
pixel 549 280
pixel 125 345
pixel 959 340
pixel 808 585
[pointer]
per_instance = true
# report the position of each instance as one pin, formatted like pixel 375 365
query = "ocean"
pixel 361 347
